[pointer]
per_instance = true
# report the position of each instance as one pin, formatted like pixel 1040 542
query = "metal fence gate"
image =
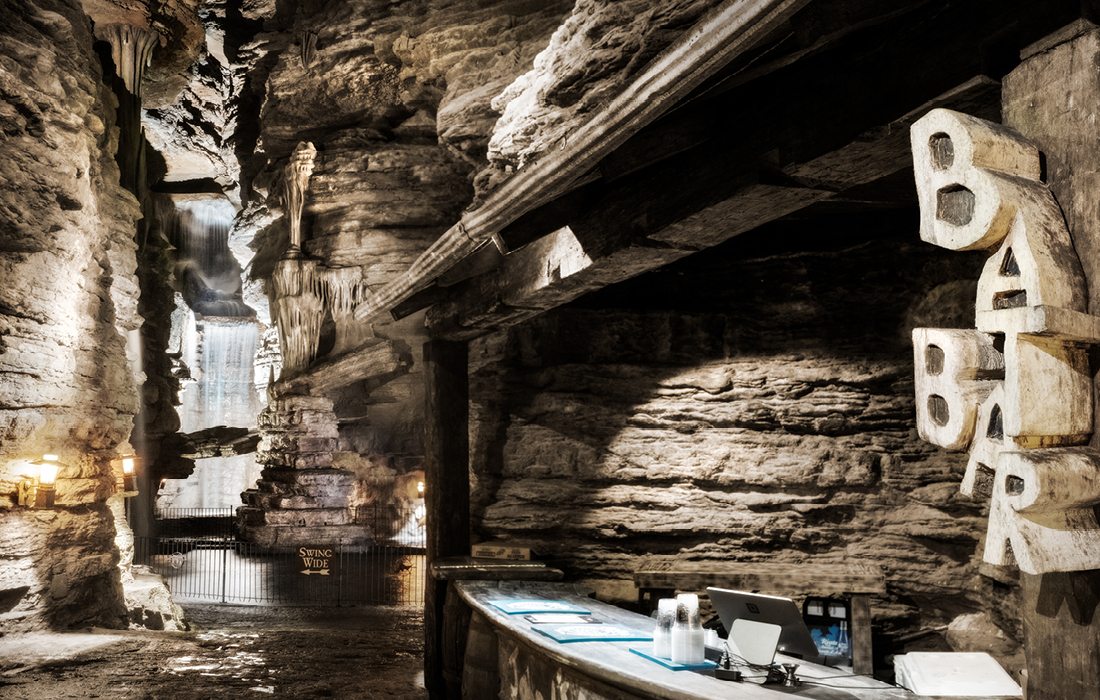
pixel 212 565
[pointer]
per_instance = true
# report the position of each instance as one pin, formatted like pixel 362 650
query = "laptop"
pixel 794 636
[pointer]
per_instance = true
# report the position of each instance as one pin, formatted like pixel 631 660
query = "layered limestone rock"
pixel 179 37
pixel 67 303
pixel 396 100
pixel 757 410
pixel 397 103
pixel 194 130
pixel 599 47
pixel 300 498
pixel 376 66
pixel 148 600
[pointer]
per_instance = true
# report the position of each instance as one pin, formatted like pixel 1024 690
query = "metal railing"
pixel 397 523
pixel 178 513
pixel 198 553
pixel 222 571
pixel 196 522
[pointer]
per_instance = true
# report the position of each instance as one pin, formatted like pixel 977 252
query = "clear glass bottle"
pixel 842 643
pixel 662 634
pixel 687 631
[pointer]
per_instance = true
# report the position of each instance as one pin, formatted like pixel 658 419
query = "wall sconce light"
pixel 420 488
pixel 128 480
pixel 37 491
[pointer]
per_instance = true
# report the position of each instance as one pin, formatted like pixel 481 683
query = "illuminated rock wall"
pixel 67 302
pixel 396 98
pixel 759 408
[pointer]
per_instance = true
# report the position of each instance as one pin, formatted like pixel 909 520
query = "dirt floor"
pixel 232 652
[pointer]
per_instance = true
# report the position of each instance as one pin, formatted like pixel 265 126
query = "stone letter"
pixel 1042 509
pixel 955 371
pixel 962 164
pixel 1048 392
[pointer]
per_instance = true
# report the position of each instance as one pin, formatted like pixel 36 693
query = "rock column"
pixel 300 498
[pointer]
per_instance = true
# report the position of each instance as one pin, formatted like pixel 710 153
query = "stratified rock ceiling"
pixel 181 39
pixel 477 88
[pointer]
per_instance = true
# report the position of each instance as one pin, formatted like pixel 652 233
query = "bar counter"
pixel 506 658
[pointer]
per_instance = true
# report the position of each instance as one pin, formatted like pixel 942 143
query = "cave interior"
pixel 622 286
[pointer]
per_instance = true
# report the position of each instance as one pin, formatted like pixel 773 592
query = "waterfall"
pixel 203 234
pixel 218 344
pixel 224 392
pixel 208 273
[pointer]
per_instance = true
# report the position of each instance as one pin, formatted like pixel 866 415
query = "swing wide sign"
pixel 316 561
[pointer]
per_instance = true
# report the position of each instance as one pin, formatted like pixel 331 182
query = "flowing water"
pixel 218 345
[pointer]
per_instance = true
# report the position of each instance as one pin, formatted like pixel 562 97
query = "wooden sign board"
pixel 498 550
pixel 317 560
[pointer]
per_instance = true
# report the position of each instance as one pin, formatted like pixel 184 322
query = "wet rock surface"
pixel 236 652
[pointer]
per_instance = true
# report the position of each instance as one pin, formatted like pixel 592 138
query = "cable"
pixel 812 681
pixel 759 667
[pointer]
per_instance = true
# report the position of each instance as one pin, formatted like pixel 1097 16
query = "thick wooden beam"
pixel 482 260
pixel 373 359
pixel 725 32
pixel 1053 98
pixel 446 489
pixel 815 105
pixel 692 202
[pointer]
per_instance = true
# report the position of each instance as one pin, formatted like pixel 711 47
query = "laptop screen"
pixel 794 639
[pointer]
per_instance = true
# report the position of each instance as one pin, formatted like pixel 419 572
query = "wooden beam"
pixel 839 85
pixel 690 203
pixel 375 358
pixel 730 29
pixel 480 261
pixel 1053 98
pixel 813 107
pixel 420 300
pixel 821 26
pixel 446 489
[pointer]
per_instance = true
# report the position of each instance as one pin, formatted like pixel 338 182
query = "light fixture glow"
pixel 420 487
pixel 128 465
pixel 47 473
pixel 49 457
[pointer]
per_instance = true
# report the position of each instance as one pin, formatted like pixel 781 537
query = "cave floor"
pixel 231 652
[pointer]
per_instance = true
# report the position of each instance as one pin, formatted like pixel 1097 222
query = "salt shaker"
pixel 662 634
pixel 687 631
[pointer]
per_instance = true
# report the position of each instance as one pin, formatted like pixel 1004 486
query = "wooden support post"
pixel 1053 98
pixel 446 491
pixel 863 661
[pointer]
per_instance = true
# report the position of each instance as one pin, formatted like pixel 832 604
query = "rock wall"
pixel 748 403
pixel 396 98
pixel 595 52
pixel 67 302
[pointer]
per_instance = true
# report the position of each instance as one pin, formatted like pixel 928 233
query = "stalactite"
pixel 131 50
pixel 294 277
pixel 295 184
pixel 308 41
pixel 344 290
pixel 304 290
pixel 299 318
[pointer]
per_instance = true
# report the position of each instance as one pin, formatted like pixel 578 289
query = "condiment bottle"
pixel 687 631
pixel 662 634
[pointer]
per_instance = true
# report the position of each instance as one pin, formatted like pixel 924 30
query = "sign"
pixel 316 560
pixel 497 550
